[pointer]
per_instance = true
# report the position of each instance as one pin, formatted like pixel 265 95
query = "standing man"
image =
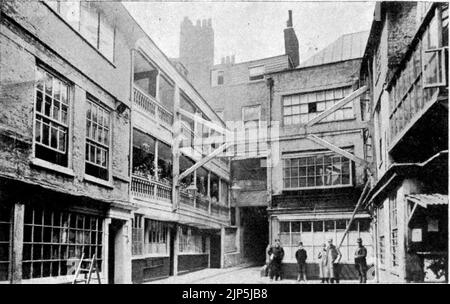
pixel 301 256
pixel 276 255
pixel 360 261
pixel 332 263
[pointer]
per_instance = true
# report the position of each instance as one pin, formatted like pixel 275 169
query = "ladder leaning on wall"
pixel 87 271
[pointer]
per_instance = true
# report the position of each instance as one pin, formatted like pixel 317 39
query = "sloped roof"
pixel 428 199
pixel 346 47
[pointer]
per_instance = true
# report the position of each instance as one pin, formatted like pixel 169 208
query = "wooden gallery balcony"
pixel 152 109
pixel 153 191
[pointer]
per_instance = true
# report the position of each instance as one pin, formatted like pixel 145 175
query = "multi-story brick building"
pixel 316 167
pixel 405 68
pixel 65 132
pixel 238 93
pixel 90 145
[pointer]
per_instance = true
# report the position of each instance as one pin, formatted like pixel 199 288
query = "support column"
pixel 222 247
pixel 17 250
pixel 105 263
pixel 176 149
pixel 208 192
pixel 176 249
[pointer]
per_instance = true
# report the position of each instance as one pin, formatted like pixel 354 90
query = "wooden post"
pixel 222 247
pixel 208 192
pixel 176 149
pixel 195 183
pixel 176 249
pixel 17 250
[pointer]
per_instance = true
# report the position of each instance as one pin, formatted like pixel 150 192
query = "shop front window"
pixel 5 240
pixel 54 242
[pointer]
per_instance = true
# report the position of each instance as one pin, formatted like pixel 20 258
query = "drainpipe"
pixel 269 82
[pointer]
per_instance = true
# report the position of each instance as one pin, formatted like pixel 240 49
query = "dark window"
pixel 220 78
pixel 97 141
pixel 312 107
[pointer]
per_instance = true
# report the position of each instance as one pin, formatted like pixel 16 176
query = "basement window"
pixel 55 240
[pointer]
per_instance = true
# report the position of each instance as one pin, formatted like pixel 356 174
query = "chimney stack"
pixel 291 42
pixel 289 22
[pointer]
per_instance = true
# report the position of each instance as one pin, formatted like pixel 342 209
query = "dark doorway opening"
pixel 255 225
pixel 173 231
pixel 114 227
pixel 215 249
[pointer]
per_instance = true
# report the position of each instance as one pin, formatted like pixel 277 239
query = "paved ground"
pixel 236 275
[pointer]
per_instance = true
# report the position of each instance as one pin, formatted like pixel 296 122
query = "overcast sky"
pixel 253 30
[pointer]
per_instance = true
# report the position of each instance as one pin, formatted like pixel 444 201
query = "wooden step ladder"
pixel 91 266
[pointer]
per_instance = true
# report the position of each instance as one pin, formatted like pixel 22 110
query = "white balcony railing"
pixel 152 108
pixel 145 188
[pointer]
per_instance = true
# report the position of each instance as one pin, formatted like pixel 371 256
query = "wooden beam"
pixel 203 161
pixel 412 212
pixel 205 122
pixel 337 106
pixel 336 149
pixel 360 200
pixel 17 248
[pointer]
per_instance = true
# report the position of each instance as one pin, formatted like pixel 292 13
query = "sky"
pixel 253 30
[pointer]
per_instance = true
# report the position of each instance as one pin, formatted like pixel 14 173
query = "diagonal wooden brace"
pixel 204 160
pixel 337 106
pixel 205 122
pixel 336 149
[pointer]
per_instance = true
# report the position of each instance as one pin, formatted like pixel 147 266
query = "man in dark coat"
pixel 276 255
pixel 301 257
pixel 360 261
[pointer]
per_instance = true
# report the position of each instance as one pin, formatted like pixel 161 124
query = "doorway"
pixel 173 231
pixel 215 249
pixel 254 221
pixel 115 248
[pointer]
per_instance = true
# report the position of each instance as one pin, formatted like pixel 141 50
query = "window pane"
pixel 106 44
pixel 89 23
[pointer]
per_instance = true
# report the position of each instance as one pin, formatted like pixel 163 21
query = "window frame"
pixel 393 231
pixel 70 93
pixel 257 77
pixel 55 6
pixel 89 177
pixel 299 156
pixel 299 109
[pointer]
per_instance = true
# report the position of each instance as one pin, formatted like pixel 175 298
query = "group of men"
pixel 329 258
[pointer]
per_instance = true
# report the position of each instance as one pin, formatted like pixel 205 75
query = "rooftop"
pixel 347 47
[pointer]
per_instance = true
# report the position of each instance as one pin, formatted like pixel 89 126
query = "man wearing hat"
pixel 276 254
pixel 360 261
pixel 301 256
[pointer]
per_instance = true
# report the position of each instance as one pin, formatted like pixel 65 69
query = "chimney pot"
pixel 289 22
pixel 223 60
pixel 198 23
pixel 232 59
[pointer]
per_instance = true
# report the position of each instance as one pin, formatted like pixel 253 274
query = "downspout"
pixel 269 83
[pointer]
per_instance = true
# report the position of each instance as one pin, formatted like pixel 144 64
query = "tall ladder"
pixel 91 266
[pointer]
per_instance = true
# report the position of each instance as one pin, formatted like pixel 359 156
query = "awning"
pixel 425 200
